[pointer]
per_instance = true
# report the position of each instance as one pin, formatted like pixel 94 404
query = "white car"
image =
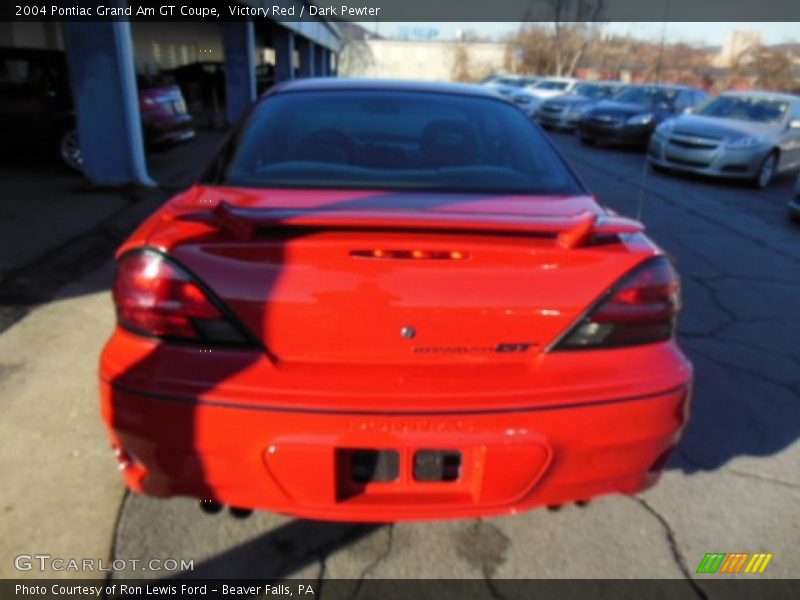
pixel 553 86
pixel 531 98
pixel 507 85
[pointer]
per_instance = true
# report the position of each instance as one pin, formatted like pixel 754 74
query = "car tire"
pixel 794 213
pixel 587 141
pixel 766 172
pixel 69 149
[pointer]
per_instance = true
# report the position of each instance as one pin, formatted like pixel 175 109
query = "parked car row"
pixel 37 109
pixel 750 136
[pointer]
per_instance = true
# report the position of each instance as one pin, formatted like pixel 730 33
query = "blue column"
pixel 284 55
pixel 319 61
pixel 238 39
pixel 305 49
pixel 103 81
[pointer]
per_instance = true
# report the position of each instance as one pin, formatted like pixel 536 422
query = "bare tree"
pixel 355 57
pixel 560 47
pixel 574 29
pixel 461 63
pixel 533 49
pixel 772 69
pixel 768 68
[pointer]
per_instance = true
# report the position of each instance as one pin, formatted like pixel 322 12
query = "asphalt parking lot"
pixel 733 486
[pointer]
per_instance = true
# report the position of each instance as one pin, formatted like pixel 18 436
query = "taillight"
pixel 640 309
pixel 156 297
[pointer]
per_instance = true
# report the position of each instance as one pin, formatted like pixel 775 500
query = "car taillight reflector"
pixel 641 308
pixel 154 296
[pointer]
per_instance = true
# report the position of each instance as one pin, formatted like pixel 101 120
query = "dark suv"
pixel 37 111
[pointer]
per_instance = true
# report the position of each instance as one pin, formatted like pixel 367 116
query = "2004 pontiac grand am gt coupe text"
pixel 389 301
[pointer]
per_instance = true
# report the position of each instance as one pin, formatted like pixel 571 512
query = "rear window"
pixel 744 108
pixel 394 140
pixel 595 91
pixel 512 82
pixel 552 85
pixel 649 96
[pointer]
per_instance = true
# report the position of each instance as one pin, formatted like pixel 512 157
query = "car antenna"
pixel 659 62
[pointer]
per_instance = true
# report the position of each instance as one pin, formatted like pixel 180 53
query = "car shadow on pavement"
pixel 282 552
pixel 740 411
pixel 58 229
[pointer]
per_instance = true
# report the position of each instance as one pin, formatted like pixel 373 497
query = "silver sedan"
pixel 742 135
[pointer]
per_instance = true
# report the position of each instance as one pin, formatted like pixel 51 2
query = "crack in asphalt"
pixel 698 464
pixel 677 556
pixel 755 278
pixel 484 547
pixel 323 568
pixel 772 480
pixel 716 337
pixel 714 297
pixel 378 559
pixel 790 386
pixel 112 551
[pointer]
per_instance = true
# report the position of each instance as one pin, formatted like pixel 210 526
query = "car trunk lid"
pixel 401 278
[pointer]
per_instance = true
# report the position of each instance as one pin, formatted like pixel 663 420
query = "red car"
pixel 164 115
pixel 389 301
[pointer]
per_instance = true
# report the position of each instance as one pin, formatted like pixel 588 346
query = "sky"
pixel 707 34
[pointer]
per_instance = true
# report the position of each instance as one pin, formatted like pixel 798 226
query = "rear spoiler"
pixel 570 232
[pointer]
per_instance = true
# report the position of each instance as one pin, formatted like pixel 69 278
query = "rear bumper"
pixel 294 460
pixel 171 130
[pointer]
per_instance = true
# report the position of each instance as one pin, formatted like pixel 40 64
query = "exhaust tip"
pixel 582 503
pixel 210 507
pixel 554 507
pixel 240 513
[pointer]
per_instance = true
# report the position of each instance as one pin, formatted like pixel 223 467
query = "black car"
pixel 632 115
pixel 36 107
